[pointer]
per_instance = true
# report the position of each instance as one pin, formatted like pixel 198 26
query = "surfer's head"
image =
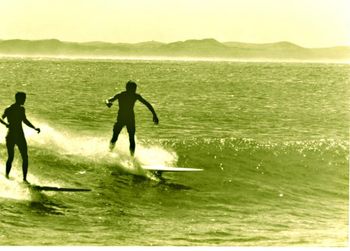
pixel 131 86
pixel 20 98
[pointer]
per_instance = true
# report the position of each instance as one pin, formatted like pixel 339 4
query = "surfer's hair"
pixel 20 97
pixel 131 86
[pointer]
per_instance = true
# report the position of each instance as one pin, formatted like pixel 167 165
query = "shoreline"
pixel 166 58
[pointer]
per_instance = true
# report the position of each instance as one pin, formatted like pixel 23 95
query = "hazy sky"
pixel 309 23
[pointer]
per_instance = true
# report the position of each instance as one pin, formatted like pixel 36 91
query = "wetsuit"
pixel 126 116
pixel 15 115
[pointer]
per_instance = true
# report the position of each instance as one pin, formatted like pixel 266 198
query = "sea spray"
pixel 95 149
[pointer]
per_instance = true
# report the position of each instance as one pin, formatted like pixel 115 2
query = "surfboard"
pixel 58 189
pixel 171 169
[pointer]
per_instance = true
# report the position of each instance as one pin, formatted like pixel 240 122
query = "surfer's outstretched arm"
pixel 27 122
pixel 150 107
pixel 109 102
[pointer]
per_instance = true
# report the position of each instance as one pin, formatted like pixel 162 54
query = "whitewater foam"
pixel 15 189
pixel 95 149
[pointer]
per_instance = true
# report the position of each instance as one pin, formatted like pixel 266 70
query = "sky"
pixel 309 23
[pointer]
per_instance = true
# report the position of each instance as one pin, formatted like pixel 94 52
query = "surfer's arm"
pixel 4 123
pixel 2 119
pixel 109 102
pixel 27 122
pixel 150 107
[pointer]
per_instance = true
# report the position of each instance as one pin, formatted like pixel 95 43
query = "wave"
pixel 55 145
pixel 310 166
pixel 320 165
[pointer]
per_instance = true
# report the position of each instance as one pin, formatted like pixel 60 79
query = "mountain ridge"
pixel 208 48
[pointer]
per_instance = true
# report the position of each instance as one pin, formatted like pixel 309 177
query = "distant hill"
pixel 208 48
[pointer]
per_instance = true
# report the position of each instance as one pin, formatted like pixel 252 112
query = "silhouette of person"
pixel 15 115
pixel 126 117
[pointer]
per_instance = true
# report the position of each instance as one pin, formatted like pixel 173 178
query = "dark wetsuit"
pixel 126 116
pixel 15 115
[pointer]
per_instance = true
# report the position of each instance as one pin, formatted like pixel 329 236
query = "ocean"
pixel 272 138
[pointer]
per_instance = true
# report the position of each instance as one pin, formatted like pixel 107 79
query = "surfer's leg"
pixel 23 149
pixel 132 144
pixel 131 131
pixel 10 145
pixel 116 130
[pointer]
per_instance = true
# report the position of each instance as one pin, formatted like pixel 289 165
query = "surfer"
pixel 15 115
pixel 126 117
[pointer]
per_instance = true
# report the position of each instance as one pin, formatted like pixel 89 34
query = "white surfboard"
pixel 171 169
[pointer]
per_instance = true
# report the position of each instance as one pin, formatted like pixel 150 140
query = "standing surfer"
pixel 15 115
pixel 126 116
